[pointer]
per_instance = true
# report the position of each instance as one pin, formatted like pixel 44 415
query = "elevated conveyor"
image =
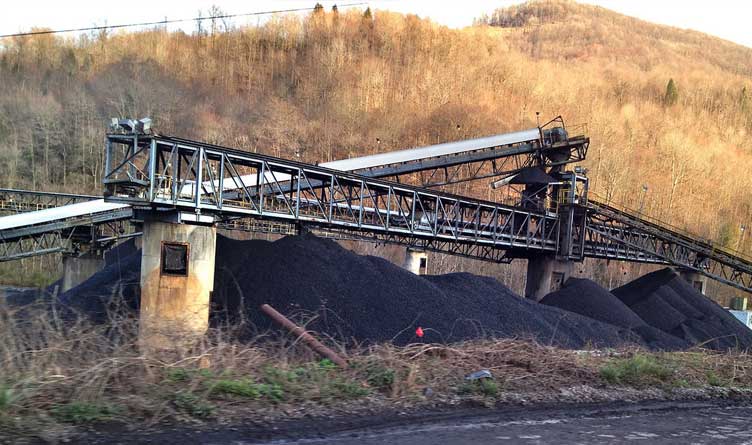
pixel 162 172
pixel 429 166
pixel 59 229
pixel 612 231
pixel 304 193
pixel 20 201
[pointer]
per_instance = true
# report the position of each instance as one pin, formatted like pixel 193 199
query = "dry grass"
pixel 59 368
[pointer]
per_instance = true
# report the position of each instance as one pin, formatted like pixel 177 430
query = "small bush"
pixel 345 389
pixel 488 387
pixel 483 387
pixel 380 377
pixel 327 365
pixel 178 375
pixel 83 412
pixel 636 370
pixel 274 392
pixel 243 388
pixel 682 383
pixel 193 404
pixel 7 397
pixel 715 380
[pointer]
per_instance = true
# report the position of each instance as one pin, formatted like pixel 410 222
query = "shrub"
pixel 483 387
pixel 637 370
pixel 83 412
pixel 379 376
pixel 193 404
pixel 243 388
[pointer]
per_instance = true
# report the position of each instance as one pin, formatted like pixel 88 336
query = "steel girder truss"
pixel 615 234
pixel 20 201
pixel 69 236
pixel 28 246
pixel 488 163
pixel 185 175
pixel 474 251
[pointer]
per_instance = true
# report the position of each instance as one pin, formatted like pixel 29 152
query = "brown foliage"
pixel 329 87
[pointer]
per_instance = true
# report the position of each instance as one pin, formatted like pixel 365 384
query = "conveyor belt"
pixel 46 216
pixel 639 239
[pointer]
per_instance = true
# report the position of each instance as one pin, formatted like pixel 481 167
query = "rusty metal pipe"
pixel 301 333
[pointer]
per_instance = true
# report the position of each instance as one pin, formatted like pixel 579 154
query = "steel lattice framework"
pixel 19 201
pixel 487 163
pixel 28 246
pixel 245 191
pixel 614 233
pixel 165 172
pixel 68 235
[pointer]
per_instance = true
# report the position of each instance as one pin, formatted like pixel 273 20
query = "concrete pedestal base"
pixel 416 261
pixel 545 275
pixel 175 303
pixel 76 270
pixel 697 280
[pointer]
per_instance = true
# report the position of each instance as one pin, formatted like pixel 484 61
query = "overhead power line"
pixel 165 22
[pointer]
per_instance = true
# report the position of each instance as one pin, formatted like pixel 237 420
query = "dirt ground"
pixel 619 422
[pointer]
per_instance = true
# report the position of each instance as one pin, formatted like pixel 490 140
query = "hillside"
pixel 333 85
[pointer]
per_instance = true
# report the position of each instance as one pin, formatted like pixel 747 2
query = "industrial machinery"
pixel 394 197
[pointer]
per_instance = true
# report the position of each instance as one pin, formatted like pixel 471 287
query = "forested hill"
pixel 568 31
pixel 332 85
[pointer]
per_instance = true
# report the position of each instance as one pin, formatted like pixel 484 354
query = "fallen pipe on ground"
pixel 301 333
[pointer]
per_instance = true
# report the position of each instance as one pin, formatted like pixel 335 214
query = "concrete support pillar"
pixel 416 261
pixel 177 278
pixel 697 280
pixel 546 274
pixel 77 269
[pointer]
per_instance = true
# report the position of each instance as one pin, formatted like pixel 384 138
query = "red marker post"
pixel 419 332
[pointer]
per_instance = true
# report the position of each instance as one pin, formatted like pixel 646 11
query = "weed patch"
pixel 193 405
pixel 379 376
pixel 638 370
pixel 482 387
pixel 83 412
pixel 244 388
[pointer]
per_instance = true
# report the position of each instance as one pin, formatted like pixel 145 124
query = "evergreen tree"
pixel 672 94
pixel 318 8
pixel 368 15
pixel 744 100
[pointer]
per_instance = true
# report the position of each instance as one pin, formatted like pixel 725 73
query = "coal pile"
pixel 117 284
pixel 585 297
pixel 370 299
pixel 121 255
pixel 667 302
pixel 357 298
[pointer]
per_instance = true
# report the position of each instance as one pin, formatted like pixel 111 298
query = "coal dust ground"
pixel 354 298
pixel 612 423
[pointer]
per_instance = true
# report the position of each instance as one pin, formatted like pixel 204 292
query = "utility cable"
pixel 164 22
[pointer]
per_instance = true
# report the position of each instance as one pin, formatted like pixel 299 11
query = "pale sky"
pixel 728 19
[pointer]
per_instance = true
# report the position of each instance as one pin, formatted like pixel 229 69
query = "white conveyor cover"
pixel 432 151
pixel 410 154
pixel 58 213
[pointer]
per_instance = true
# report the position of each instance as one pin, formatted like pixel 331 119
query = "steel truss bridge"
pixel 19 201
pixel 41 223
pixel 382 198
